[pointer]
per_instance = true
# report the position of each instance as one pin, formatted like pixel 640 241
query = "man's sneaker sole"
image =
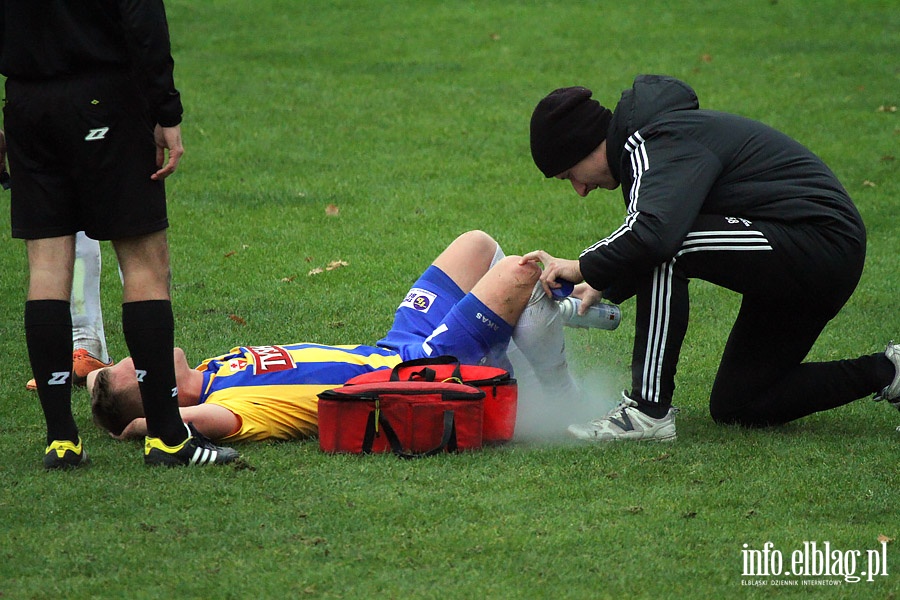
pixel 63 454
pixel 83 362
pixel 195 450
pixel 584 432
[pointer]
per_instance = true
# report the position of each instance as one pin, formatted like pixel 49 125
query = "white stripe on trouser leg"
pixel 698 241
pixel 661 296
pixel 658 331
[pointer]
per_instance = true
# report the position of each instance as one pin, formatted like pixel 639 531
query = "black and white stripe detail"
pixel 699 241
pixel 203 456
pixel 661 296
pixel 640 164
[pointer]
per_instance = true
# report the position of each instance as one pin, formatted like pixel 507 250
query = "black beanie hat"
pixel 566 126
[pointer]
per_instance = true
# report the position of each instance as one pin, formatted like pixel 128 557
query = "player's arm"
pixel 213 421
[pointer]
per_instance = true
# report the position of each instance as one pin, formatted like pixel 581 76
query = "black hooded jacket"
pixel 675 161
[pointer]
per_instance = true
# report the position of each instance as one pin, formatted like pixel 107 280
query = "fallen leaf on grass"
pixel 883 539
pixel 335 264
pixel 230 254
pixel 288 279
pixel 237 319
pixel 332 210
pixel 868 183
pixel 886 108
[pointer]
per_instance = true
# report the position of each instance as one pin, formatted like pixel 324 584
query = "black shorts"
pixel 81 153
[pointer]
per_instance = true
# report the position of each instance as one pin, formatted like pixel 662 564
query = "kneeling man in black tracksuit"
pixel 728 200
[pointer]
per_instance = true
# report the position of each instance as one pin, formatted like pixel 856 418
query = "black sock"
pixel 48 335
pixel 149 330
pixel 652 409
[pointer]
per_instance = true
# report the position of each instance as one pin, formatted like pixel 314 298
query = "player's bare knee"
pixel 477 241
pixel 524 275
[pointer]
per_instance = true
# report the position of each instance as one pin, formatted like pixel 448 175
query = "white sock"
pixel 87 316
pixel 540 338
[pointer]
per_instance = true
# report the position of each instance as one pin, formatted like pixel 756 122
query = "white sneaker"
pixel 626 422
pixel 891 393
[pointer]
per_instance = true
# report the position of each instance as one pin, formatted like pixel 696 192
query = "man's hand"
pixel 167 138
pixel 554 268
pixel 588 296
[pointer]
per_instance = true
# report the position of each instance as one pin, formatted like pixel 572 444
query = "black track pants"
pixel 793 280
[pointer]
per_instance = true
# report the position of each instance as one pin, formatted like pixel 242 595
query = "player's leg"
pixel 88 336
pixel 87 314
pixel 149 329
pixel 48 331
pixel 133 216
pixel 444 283
pixel 467 258
pixel 42 213
pixel 475 263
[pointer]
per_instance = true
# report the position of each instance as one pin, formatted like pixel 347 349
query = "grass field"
pixel 411 119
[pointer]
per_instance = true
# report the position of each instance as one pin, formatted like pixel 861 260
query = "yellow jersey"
pixel 273 390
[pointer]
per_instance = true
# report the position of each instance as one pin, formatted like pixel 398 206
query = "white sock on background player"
pixel 87 316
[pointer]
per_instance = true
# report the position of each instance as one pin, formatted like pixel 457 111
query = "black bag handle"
pixel 448 439
pixel 425 373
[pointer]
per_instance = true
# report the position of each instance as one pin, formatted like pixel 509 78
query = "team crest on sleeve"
pixel 418 299
pixel 269 359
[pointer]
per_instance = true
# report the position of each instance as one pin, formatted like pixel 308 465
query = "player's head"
pixel 566 126
pixel 115 396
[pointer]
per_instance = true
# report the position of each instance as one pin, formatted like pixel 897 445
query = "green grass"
pixel 412 119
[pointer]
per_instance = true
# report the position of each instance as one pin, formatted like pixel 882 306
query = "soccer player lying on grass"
pixel 472 303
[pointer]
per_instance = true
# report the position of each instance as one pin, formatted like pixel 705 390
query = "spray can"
pixel 599 316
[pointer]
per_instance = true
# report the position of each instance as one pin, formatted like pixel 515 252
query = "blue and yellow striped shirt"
pixel 274 390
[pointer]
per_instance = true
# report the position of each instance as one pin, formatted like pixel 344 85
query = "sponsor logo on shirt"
pixel 269 359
